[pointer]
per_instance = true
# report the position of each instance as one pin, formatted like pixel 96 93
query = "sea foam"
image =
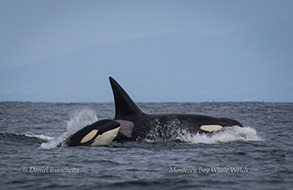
pixel 228 134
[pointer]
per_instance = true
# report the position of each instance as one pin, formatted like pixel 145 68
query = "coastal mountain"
pixel 252 65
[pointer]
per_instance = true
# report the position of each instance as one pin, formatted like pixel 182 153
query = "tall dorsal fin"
pixel 123 103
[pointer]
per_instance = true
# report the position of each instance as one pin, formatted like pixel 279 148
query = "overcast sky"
pixel 32 30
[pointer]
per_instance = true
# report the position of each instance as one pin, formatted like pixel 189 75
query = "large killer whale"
pixel 136 125
pixel 100 133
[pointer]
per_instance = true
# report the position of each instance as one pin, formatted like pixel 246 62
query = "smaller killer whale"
pixel 136 125
pixel 100 133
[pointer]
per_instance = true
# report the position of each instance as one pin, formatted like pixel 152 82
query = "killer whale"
pixel 99 133
pixel 136 125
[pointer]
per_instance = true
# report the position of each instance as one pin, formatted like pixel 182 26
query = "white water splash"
pixel 228 134
pixel 77 121
pixel 80 119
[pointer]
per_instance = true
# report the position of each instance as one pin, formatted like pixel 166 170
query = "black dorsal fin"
pixel 123 103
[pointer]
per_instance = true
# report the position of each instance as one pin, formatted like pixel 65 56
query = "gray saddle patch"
pixel 126 127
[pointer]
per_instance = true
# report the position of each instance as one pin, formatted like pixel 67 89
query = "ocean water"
pixel 258 156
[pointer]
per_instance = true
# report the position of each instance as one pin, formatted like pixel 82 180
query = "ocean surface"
pixel 257 156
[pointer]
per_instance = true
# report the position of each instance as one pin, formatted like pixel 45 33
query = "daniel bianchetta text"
pixel 47 169
pixel 207 170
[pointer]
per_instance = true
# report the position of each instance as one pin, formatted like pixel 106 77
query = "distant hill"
pixel 254 65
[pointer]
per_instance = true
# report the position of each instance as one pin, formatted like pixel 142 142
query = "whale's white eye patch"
pixel 210 128
pixel 106 138
pixel 89 136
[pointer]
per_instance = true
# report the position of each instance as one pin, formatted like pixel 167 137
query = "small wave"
pixel 26 138
pixel 228 134
pixel 41 137
pixel 77 121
